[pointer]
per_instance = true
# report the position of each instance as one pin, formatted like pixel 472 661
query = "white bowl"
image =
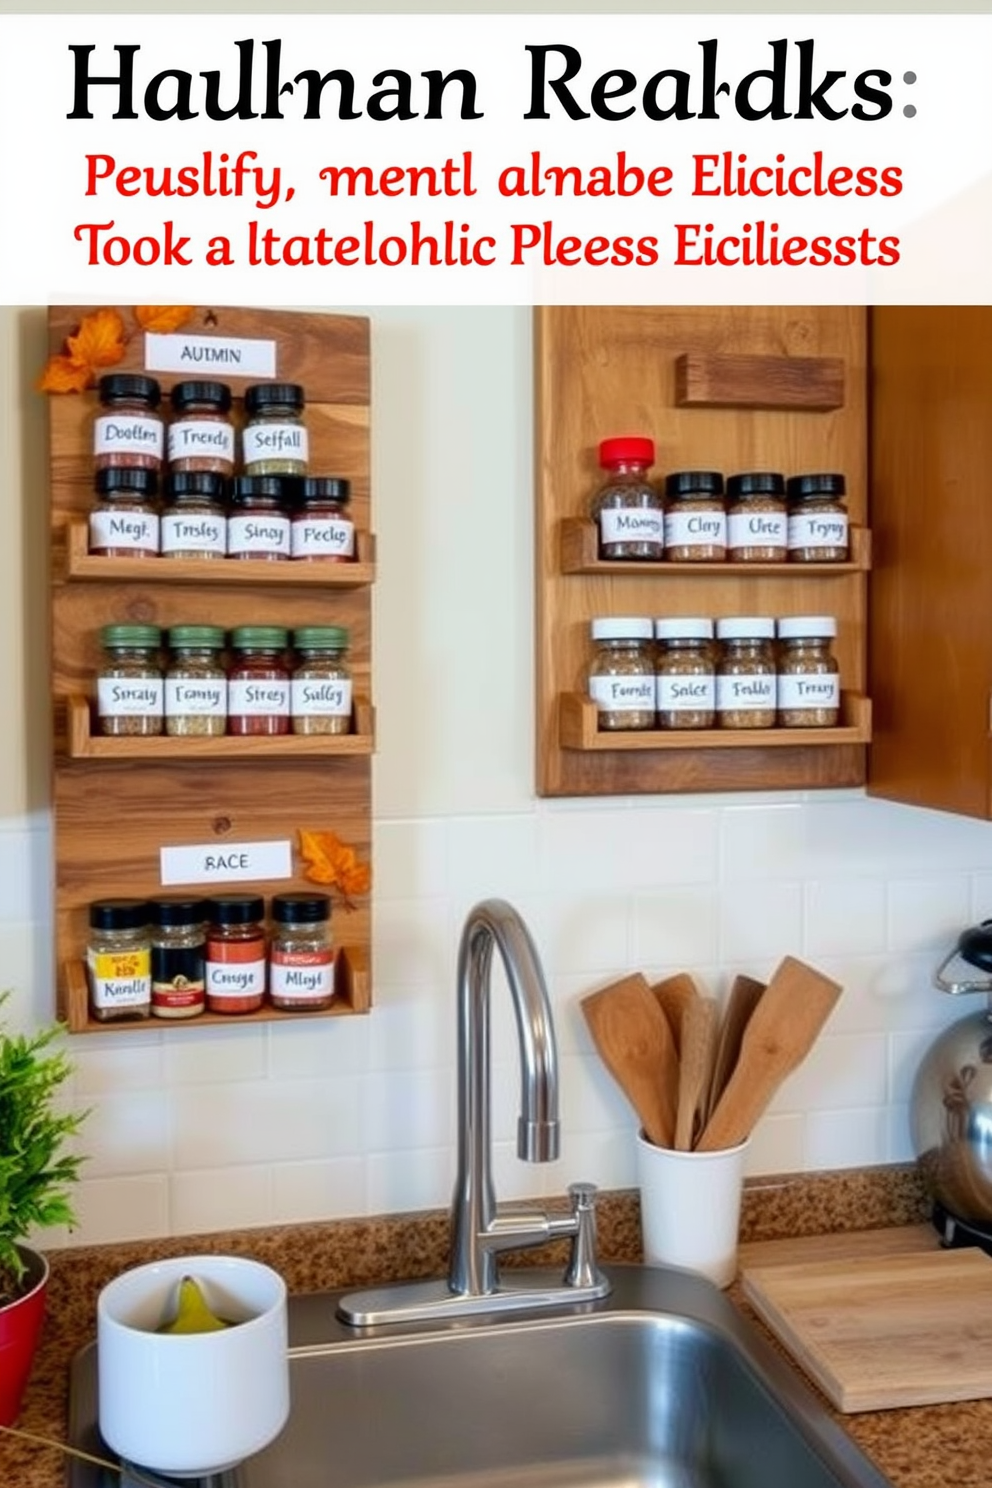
pixel 189 1404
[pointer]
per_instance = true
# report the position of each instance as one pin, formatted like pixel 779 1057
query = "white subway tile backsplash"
pixel 674 927
pixel 758 920
pixel 216 1055
pixel 777 1145
pixel 126 1134
pixel 847 1139
pixel 114 1209
pixel 403 1109
pixel 841 1070
pixel 586 933
pixel 845 917
pixel 261 1121
pixel 403 1181
pixel 926 915
pixel 762 841
pixel 107 1066
pixel 314 1191
pixel 410 858
pixel 220 1199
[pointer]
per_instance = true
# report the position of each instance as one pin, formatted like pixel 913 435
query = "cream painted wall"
pixel 194 1129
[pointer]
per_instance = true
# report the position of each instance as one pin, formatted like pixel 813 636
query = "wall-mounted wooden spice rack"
pixel 119 800
pixel 729 389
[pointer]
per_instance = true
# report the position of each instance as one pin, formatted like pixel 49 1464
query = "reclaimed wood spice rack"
pixel 118 801
pixel 717 388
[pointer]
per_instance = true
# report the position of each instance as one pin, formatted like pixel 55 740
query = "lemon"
pixel 192 1313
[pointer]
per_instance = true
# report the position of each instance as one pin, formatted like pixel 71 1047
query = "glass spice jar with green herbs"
pixel 129 689
pixel 320 687
pixel 195 682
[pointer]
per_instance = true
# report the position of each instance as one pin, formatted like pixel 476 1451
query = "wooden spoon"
pixel 779 1034
pixel 700 1026
pixel 635 1042
pixel 741 1003
pixel 674 994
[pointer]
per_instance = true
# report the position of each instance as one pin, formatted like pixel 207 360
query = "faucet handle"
pixel 582 1268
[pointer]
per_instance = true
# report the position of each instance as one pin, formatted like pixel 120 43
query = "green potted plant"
pixel 36 1173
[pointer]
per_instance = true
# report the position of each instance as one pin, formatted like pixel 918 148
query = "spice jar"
pixel 194 522
pixel 627 509
pixel 124 521
pixel 274 441
pixel 685 673
pixel 301 956
pixel 258 525
pixel 118 960
pixel 195 682
pixel 695 517
pixel 320 687
pixel 757 518
pixel 745 680
pixel 321 528
pixel 258 681
pixel 234 970
pixel 178 940
pixel 201 435
pixel 808 680
pixel 129 694
pixel 129 431
pixel 621 676
pixel 818 524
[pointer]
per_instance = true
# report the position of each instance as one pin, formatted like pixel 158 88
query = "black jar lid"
pixel 170 913
pixel 756 483
pixel 186 393
pixel 119 914
pixel 301 909
pixel 208 484
pixel 129 385
pixel 126 480
pixel 245 490
pixel 262 395
pixel 829 483
pixel 235 909
pixel 694 483
pixel 322 488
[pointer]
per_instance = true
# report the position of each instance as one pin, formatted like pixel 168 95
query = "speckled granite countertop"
pixel 947 1446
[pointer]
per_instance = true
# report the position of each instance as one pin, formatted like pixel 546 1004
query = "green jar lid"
pixel 131 635
pixel 207 636
pixel 321 638
pixel 266 637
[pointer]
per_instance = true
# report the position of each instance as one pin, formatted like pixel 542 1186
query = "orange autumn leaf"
pixel 99 342
pixel 162 318
pixel 63 375
pixel 332 862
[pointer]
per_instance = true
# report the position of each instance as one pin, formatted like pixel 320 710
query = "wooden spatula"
pixel 779 1034
pixel 674 994
pixel 635 1042
pixel 741 1002
pixel 700 1026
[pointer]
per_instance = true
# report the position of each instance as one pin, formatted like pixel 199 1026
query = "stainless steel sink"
pixel 662 1384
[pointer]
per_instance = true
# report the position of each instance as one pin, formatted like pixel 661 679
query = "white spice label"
pixel 133 697
pixel 622 694
pixel 818 530
pixel 190 437
pixel 200 698
pixel 757 529
pixel 194 534
pixel 274 442
pixel 323 537
pixel 132 435
pixel 234 978
pixel 686 694
pixel 808 690
pixel 695 529
pixel 754 691
pixel 257 699
pixel 633 525
pixel 301 981
pixel 120 979
pixel 136 531
pixel 268 533
pixel 311 697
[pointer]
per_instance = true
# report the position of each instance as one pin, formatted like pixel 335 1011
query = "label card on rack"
pixel 231 862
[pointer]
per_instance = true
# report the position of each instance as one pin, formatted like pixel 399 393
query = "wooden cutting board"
pixel 877 1331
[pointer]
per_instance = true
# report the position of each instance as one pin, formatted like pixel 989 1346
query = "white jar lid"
pixel 791 627
pixel 746 627
pixel 678 628
pixel 636 629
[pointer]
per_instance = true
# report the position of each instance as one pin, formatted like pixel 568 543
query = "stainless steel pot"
pixel 951 1101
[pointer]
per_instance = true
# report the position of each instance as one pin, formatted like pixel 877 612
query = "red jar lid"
pixel 629 449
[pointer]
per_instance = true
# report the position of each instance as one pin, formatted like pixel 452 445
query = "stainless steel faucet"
pixel 479 1231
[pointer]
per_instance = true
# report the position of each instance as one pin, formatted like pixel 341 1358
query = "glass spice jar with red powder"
pixel 258 681
pixel 234 970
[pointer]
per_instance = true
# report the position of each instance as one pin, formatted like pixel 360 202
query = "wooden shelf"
pixel 579 554
pixel 578 730
pixel 352 995
pixel 768 383
pixel 81 743
pixel 80 564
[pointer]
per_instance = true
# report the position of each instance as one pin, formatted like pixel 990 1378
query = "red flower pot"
pixel 20 1329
